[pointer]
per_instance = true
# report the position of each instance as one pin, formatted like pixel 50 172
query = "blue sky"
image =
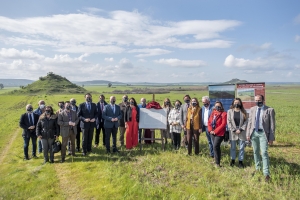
pixel 151 41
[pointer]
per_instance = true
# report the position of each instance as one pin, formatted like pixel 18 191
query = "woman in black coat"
pixel 47 130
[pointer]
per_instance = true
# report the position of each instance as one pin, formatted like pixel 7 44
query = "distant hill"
pixel 50 84
pixel 98 82
pixel 15 82
pixel 235 80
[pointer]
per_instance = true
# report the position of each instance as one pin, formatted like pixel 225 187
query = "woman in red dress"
pixel 131 117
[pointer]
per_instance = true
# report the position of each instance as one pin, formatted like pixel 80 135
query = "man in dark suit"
pixel 261 132
pixel 111 115
pixel 100 121
pixel 75 108
pixel 206 112
pixel 122 129
pixel 87 113
pixel 28 123
pixel 40 110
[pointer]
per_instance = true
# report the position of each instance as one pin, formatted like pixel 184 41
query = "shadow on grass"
pixel 124 155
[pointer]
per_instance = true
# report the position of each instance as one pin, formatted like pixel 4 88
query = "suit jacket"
pixel 78 124
pixel 183 112
pixel 232 127
pixel 123 106
pixel 63 122
pixel 25 124
pixel 268 122
pixel 99 115
pixel 108 114
pixel 209 113
pixel 84 113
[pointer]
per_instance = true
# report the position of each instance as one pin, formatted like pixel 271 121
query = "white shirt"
pixel 205 120
pixel 260 117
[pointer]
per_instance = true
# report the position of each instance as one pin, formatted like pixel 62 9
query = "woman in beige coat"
pixel 237 126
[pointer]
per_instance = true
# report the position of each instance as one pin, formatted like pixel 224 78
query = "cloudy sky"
pixel 151 41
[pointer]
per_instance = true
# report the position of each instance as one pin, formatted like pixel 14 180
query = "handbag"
pixel 56 146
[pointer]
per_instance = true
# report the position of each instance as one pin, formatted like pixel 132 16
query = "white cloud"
pixel 297 19
pixel 289 74
pixel 109 59
pixel 181 63
pixel 12 53
pixel 297 38
pixel 111 32
pixel 149 52
pixel 297 66
pixel 231 61
pixel 142 60
pixel 265 46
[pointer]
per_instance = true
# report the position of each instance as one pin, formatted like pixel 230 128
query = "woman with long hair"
pixel 175 124
pixel 217 127
pixel 237 125
pixel 131 117
pixel 166 133
pixel 193 125
pixel 47 130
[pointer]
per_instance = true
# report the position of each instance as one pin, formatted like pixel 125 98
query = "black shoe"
pixel 78 149
pixel 34 156
pixel 84 154
pixel 45 161
pixel 241 165
pixel 69 154
pixel 62 161
pixel 267 178
pixel 74 155
pixel 26 158
pixel 51 161
pixel 232 163
pixel 116 151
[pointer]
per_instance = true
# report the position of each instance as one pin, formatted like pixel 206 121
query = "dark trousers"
pixel 210 142
pixel 97 135
pixel 87 138
pixel 40 146
pixel 190 134
pixel 217 140
pixel 185 138
pixel 109 132
pixel 177 140
pixel 26 144
pixel 140 135
pixel 78 138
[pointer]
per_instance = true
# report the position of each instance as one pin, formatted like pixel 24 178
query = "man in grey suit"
pixel 67 120
pixel 111 115
pixel 261 131
pixel 183 112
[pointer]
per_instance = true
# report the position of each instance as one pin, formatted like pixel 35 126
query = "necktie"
pixel 113 108
pixel 30 119
pixel 89 107
pixel 101 106
pixel 257 119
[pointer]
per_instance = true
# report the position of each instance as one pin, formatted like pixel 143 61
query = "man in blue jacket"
pixel 206 112
pixel 111 115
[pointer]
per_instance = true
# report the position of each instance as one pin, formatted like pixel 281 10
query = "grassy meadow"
pixel 150 173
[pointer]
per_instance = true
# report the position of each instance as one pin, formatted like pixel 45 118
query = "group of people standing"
pixel 189 117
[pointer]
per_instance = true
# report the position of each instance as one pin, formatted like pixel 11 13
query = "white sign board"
pixel 153 118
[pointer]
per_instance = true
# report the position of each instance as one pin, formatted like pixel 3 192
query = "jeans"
pixel 233 149
pixel 40 146
pixel 26 145
pixel 210 142
pixel 260 145
pixel 47 149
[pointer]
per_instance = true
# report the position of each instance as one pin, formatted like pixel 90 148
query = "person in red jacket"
pixel 217 127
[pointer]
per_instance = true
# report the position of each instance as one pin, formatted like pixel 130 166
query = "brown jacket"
pixel 194 113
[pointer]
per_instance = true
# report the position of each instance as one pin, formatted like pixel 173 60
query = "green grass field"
pixel 151 173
